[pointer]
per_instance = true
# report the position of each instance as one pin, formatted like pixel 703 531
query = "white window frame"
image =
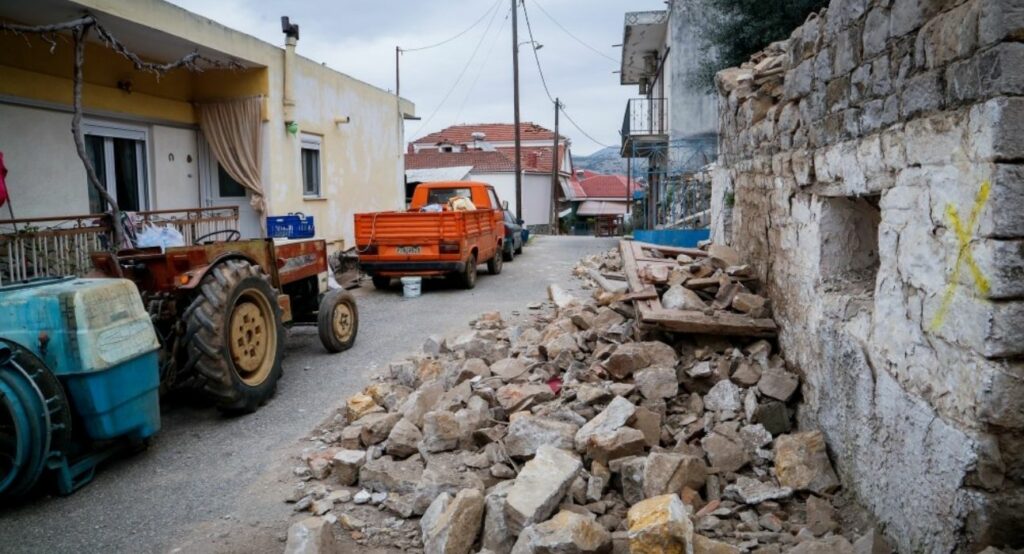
pixel 110 130
pixel 312 142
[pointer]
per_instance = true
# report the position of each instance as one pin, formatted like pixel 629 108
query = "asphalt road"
pixel 215 484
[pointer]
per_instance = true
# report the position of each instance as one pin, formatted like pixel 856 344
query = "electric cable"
pixel 574 37
pixel 483 65
pixel 446 41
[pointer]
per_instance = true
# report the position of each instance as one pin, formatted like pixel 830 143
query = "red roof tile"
pixel 533 158
pixel 493 132
pixel 606 186
pixel 478 159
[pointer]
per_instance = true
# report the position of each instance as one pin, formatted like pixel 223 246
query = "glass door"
pixel 119 156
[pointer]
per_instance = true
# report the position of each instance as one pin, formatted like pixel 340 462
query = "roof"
pixel 531 163
pixel 493 132
pixel 479 160
pixel 456 173
pixel 600 207
pixel 606 186
pixel 576 190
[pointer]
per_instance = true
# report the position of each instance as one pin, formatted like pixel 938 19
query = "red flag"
pixel 3 181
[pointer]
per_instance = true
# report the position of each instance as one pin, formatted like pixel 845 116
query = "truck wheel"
pixel 519 250
pixel 381 283
pixel 508 253
pixel 235 336
pixel 494 264
pixel 467 279
pixel 338 321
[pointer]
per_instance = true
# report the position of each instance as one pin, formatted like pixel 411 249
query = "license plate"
pixel 408 250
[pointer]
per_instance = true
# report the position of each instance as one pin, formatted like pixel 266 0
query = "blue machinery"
pixel 79 380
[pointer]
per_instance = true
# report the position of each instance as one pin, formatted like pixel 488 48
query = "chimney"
pixel 533 159
pixel 291 34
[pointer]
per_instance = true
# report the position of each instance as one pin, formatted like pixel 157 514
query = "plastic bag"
pixel 164 237
pixel 432 208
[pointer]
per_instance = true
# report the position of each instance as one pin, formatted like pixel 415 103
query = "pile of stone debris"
pixel 561 433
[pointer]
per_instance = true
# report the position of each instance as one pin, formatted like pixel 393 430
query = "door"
pixel 118 153
pixel 222 190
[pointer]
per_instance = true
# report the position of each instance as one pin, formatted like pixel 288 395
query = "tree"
pixel 733 30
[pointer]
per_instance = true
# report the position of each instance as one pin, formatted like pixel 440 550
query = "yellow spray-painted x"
pixel 964 255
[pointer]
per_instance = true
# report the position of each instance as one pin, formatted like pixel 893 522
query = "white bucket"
pixel 411 286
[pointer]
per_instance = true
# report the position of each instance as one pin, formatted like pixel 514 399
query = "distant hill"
pixel 608 161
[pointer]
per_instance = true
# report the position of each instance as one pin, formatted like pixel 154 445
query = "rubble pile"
pixel 562 433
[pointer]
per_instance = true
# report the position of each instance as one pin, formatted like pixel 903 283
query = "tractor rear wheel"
pixel 338 321
pixel 235 336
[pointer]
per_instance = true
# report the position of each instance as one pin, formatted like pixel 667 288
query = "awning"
pixel 565 213
pixel 458 173
pixel 599 207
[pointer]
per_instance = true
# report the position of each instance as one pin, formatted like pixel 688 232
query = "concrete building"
pixel 490 149
pixel 329 144
pixel 672 125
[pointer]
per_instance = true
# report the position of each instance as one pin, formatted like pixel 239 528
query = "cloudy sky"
pixel 469 79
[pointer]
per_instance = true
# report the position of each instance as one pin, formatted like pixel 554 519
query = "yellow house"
pixel 146 135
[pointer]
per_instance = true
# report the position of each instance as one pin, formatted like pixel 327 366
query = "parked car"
pixel 514 237
pixel 449 228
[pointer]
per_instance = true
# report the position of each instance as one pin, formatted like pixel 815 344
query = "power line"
pixel 462 73
pixel 483 65
pixel 543 82
pixel 574 37
pixel 446 41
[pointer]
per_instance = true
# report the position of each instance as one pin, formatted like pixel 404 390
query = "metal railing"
pixel 645 117
pixel 56 246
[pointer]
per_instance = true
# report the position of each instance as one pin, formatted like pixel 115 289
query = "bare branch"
pixel 189 61
pixel 54 28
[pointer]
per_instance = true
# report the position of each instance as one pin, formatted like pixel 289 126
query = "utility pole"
pixel 515 101
pixel 554 176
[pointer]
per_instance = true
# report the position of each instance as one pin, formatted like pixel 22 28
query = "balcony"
pixel 644 126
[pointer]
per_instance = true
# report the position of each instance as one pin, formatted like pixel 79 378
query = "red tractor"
pixel 220 310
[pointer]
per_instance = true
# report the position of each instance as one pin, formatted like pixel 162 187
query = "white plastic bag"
pixel 164 237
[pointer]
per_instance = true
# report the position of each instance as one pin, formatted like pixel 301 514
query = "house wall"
pixel 693 113
pixel 864 181
pixel 536 194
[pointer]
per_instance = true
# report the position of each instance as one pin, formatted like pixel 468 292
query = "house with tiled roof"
pixel 606 195
pixel 490 149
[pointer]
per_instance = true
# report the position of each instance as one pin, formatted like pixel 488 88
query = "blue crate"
pixel 291 226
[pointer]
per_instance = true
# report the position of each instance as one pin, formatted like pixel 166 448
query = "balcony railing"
pixel 645 116
pixel 56 246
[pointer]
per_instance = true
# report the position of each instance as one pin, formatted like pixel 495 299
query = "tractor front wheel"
pixel 236 338
pixel 338 321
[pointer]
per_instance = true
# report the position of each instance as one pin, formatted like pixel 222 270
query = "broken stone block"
pixel 516 397
pixel 433 346
pixel 422 401
pixel 724 397
pixel 349 437
pixel 748 303
pixel 592 394
pixel 660 525
pixel 497 537
pixel 827 545
pixel 359 405
pixel 657 382
pixel 746 374
pixel 725 254
pixel 404 439
pixel 388 475
pixel 376 427
pixel 470 368
pixel 453 523
pixel 778 384
pixel 509 369
pixel 634 356
pixel 346 465
pixel 821 516
pixel 440 432
pixel 751 491
pixel 801 462
pixel 388 395
pixel 648 422
pixel 600 476
pixel 615 415
pixel 566 533
pixel 631 476
pixel 704 545
pixel 724 453
pixel 312 535
pixel 527 433
pixel 872 542
pixel 540 487
pixel 624 441
pixel 472 344
pixel 669 473
pixel 558 345
pixel 319 467
pixel 678 297
pixel 774 416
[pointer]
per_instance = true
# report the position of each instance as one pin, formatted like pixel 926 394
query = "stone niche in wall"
pixel 848 256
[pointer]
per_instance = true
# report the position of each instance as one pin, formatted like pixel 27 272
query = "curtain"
pixel 232 129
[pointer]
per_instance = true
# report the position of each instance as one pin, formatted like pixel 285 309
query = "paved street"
pixel 214 484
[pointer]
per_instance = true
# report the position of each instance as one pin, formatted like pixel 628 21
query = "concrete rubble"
pixel 561 432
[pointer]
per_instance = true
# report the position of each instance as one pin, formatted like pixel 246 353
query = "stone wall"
pixel 874 164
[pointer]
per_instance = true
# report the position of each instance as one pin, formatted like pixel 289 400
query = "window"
pixel 441 196
pixel 119 156
pixel 495 204
pixel 227 186
pixel 311 166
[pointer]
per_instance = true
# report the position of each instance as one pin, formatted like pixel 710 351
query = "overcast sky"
pixel 358 37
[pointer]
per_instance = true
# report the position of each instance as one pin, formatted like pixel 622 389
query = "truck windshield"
pixel 441 196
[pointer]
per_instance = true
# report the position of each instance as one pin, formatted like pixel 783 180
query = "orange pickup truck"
pixel 449 229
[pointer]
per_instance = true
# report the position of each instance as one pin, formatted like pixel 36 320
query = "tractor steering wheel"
pixel 233 236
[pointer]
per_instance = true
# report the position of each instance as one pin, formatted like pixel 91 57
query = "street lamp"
pixel 536 45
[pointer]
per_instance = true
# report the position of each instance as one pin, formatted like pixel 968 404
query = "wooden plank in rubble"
pixel 718 324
